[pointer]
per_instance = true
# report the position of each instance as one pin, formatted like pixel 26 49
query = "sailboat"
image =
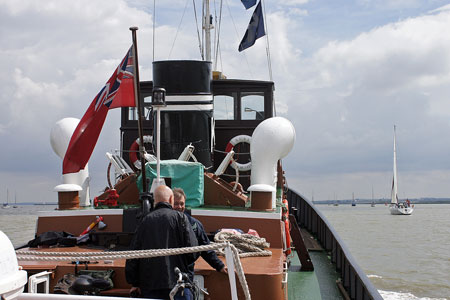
pixel 373 202
pixel 15 200
pixel 6 205
pixel 395 207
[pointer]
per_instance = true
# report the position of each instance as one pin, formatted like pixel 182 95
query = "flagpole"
pixel 139 108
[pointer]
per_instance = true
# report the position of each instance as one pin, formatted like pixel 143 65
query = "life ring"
pixel 134 150
pixel 233 142
pixel 287 227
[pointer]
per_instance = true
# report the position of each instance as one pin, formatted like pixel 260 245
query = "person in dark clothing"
pixel 209 256
pixel 162 228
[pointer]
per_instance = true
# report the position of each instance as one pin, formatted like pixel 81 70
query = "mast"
pixel 372 193
pixel 137 93
pixel 394 197
pixel 207 30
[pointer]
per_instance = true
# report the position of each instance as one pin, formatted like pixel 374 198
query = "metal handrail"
pixel 354 280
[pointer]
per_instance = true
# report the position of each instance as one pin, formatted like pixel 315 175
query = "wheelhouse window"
pixel 132 111
pixel 132 114
pixel 224 107
pixel 252 106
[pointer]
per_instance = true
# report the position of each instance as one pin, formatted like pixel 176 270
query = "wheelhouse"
pixel 238 107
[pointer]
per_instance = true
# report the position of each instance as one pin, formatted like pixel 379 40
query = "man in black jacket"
pixel 209 256
pixel 161 229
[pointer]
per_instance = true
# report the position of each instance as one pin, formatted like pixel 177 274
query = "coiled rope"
pixel 246 244
pixel 77 256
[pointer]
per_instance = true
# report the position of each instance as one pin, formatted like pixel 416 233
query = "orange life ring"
pixel 233 142
pixel 134 150
pixel 287 227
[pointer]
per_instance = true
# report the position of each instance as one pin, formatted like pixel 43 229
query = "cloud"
pixel 355 90
pixel 343 95
pixel 295 2
pixel 56 56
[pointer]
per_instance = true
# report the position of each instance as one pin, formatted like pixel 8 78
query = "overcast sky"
pixel 345 73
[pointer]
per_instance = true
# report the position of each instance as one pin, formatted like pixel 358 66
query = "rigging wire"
pixel 154 29
pixel 200 44
pixel 269 60
pixel 215 35
pixel 215 32
pixel 203 27
pixel 237 34
pixel 178 29
pixel 217 46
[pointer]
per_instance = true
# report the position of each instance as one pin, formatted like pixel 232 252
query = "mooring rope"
pixel 247 245
pixel 82 256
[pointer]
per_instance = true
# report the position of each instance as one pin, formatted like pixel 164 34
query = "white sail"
pixel 394 197
pixel 395 207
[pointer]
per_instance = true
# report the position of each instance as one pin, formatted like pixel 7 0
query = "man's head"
pixel 179 199
pixel 163 194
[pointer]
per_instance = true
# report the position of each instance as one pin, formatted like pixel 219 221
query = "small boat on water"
pixel 396 207
pixel 220 140
pixel 15 201
pixel 6 204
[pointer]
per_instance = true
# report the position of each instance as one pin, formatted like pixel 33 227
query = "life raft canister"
pixel 134 150
pixel 233 142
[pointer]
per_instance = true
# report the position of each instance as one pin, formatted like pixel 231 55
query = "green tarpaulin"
pixel 183 174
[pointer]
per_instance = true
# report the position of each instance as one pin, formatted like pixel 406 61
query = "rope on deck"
pixel 136 254
pixel 246 244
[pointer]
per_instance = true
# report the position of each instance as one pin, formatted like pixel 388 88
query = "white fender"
pixel 272 140
pixel 60 135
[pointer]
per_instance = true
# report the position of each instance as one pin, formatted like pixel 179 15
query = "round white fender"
pixel 233 142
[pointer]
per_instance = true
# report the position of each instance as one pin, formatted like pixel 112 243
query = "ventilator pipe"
pixel 60 136
pixel 272 140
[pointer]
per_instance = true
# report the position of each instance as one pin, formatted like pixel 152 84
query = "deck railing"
pixel 354 280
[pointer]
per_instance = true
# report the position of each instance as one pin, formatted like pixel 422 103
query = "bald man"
pixel 162 228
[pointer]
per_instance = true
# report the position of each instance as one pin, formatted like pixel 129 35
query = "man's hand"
pixel 224 270
pixel 135 291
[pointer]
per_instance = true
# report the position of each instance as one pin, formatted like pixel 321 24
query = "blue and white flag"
pixel 248 3
pixel 255 29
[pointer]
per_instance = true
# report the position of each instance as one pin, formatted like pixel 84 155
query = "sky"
pixel 345 71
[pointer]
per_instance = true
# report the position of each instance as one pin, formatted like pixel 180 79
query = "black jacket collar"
pixel 163 205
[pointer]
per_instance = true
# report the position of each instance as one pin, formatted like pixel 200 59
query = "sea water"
pixel 19 224
pixel 406 257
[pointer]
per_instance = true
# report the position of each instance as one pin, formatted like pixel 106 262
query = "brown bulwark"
pixel 75 224
pixel 263 274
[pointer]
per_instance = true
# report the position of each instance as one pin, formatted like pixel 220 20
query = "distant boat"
pixel 6 205
pixel 353 201
pixel 373 202
pixel 15 200
pixel 395 207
